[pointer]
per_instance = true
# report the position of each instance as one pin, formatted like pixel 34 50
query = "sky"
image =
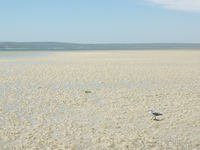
pixel 100 21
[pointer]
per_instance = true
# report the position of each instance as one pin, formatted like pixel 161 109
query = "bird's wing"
pixel 157 114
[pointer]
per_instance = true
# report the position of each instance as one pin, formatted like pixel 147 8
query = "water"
pixel 112 46
pixel 22 54
pixel 14 53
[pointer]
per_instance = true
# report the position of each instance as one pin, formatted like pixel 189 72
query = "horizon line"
pixel 101 43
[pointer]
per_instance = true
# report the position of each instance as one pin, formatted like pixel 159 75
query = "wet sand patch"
pixel 43 105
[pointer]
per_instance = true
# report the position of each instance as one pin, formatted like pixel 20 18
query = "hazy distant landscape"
pixel 112 46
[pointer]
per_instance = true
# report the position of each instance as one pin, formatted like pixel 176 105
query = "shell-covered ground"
pixel 101 100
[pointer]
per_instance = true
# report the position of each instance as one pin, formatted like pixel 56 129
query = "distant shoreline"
pixel 74 46
pixel 78 50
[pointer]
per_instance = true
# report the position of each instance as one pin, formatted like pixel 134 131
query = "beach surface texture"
pixel 99 100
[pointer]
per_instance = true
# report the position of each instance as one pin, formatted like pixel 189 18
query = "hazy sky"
pixel 100 21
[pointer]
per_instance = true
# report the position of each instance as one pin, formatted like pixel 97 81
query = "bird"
pixel 154 114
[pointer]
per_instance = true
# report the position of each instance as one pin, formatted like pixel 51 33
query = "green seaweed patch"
pixel 87 91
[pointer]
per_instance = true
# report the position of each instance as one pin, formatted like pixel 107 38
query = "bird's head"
pixel 150 111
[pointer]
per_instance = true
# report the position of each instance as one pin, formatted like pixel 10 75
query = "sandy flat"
pixel 43 104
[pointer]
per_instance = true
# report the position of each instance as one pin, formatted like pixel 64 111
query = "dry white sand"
pixel 43 104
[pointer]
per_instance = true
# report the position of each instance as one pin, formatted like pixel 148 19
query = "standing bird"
pixel 154 114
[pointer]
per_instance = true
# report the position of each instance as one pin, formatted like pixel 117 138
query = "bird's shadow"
pixel 158 119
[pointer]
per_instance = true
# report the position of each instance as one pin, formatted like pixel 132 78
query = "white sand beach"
pixel 44 106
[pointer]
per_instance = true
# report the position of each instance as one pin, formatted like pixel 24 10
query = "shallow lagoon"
pixel 22 54
pixel 43 103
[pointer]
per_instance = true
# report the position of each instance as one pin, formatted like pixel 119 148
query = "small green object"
pixel 88 92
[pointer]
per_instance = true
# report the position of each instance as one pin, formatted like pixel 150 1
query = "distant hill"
pixel 75 46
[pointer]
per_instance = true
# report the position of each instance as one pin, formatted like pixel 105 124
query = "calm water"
pixel 112 46
pixel 22 54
